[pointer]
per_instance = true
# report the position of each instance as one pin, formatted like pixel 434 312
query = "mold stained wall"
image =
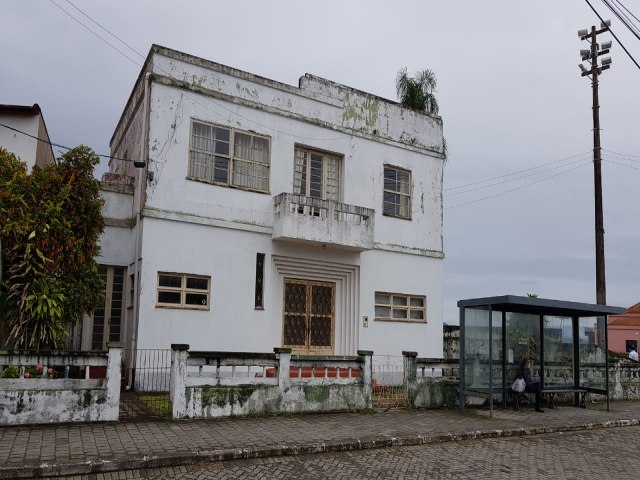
pixel 198 228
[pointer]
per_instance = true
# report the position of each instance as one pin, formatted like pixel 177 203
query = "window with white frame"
pixel 317 174
pixel 182 290
pixel 229 157
pixel 400 307
pixel 397 192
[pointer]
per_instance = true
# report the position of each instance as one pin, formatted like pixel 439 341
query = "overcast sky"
pixel 510 93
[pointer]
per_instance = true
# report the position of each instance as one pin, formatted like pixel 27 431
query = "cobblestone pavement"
pixel 66 444
pixel 601 454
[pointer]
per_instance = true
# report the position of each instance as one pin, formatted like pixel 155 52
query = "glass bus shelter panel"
pixel 496 364
pixel 559 365
pixel 476 348
pixel 523 340
pixel 592 356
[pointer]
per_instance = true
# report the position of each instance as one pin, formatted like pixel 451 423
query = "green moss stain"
pixel 366 112
pixel 222 396
pixel 316 393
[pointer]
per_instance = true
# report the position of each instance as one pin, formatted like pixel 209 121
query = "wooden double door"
pixel 308 324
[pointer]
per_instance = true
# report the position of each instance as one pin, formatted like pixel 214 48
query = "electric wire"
pixel 101 38
pixel 517 172
pixel 623 155
pixel 531 174
pixel 621 164
pixel 520 187
pixel 624 19
pixel 343 137
pixel 614 36
pixel 629 11
pixel 53 144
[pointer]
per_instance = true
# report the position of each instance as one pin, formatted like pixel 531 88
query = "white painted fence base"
pixel 219 384
pixel 25 401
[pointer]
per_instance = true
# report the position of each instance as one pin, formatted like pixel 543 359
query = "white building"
pixel 21 126
pixel 270 215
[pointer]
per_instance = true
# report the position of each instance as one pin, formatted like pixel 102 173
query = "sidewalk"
pixel 28 452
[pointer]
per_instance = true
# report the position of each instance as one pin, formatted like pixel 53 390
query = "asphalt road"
pixel 598 454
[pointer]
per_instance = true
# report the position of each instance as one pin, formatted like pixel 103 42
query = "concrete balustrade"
pixel 217 384
pixel 43 398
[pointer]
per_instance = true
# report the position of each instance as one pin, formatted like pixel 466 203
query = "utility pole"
pixel 591 55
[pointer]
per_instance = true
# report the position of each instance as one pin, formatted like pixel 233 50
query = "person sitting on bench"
pixel 523 371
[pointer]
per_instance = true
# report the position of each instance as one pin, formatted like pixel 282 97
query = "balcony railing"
pixel 301 218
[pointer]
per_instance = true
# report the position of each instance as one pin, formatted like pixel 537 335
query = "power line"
pixel 174 78
pixel 628 11
pixel 516 188
pixel 517 172
pixel 482 187
pixel 101 38
pixel 621 164
pixel 62 146
pixel 623 155
pixel 106 30
pixel 614 36
pixel 624 19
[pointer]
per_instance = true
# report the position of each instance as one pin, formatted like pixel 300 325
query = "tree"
pixel 417 91
pixel 50 223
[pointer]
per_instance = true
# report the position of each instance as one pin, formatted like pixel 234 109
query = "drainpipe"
pixel 142 174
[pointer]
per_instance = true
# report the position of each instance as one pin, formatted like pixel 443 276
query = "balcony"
pixel 308 219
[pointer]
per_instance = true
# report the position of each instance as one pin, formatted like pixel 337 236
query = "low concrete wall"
pixel 43 399
pixel 430 382
pixel 219 384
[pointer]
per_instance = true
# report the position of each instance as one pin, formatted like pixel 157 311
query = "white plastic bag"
pixel 519 385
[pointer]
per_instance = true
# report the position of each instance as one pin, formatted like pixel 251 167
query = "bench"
pixel 552 392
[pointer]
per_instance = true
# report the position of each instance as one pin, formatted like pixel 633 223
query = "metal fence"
pixel 146 380
pixel 388 382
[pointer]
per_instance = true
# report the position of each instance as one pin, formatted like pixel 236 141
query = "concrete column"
pixel 367 374
pixel 114 376
pixel 178 384
pixel 283 355
pixel 410 373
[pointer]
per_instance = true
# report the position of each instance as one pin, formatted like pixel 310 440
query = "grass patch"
pixel 157 404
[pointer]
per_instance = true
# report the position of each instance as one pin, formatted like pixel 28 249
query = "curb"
pixel 365 443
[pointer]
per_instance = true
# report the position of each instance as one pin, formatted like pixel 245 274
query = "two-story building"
pixel 271 215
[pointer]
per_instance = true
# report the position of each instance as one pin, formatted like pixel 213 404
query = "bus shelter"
pixel 566 343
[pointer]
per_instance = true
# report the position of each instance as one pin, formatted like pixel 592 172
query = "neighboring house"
pixel 29 120
pixel 270 215
pixel 624 330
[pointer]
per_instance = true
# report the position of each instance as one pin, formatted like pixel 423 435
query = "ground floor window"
pixel 183 290
pixel 400 307
pixel 108 318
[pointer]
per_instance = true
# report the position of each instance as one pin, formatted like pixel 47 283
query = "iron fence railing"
pixel 388 382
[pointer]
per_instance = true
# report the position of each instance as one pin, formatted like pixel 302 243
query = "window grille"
pixel 399 307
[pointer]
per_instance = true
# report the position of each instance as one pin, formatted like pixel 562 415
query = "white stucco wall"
pixel 198 228
pixel 23 146
pixel 363 170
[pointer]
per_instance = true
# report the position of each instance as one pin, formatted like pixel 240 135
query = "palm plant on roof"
pixel 417 91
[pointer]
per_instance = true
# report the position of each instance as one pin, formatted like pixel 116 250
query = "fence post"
pixel 114 376
pixel 367 374
pixel 178 384
pixel 410 369
pixel 283 355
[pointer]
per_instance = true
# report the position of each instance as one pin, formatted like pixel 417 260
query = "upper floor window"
pixel 317 174
pixel 229 157
pixel 397 192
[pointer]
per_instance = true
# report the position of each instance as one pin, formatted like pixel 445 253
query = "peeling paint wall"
pixel 219 401
pixel 200 228
pixel 30 401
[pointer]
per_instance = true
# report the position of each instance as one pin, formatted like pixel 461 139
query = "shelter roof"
pixel 541 306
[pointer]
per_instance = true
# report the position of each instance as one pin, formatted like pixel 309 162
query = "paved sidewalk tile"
pixel 62 444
